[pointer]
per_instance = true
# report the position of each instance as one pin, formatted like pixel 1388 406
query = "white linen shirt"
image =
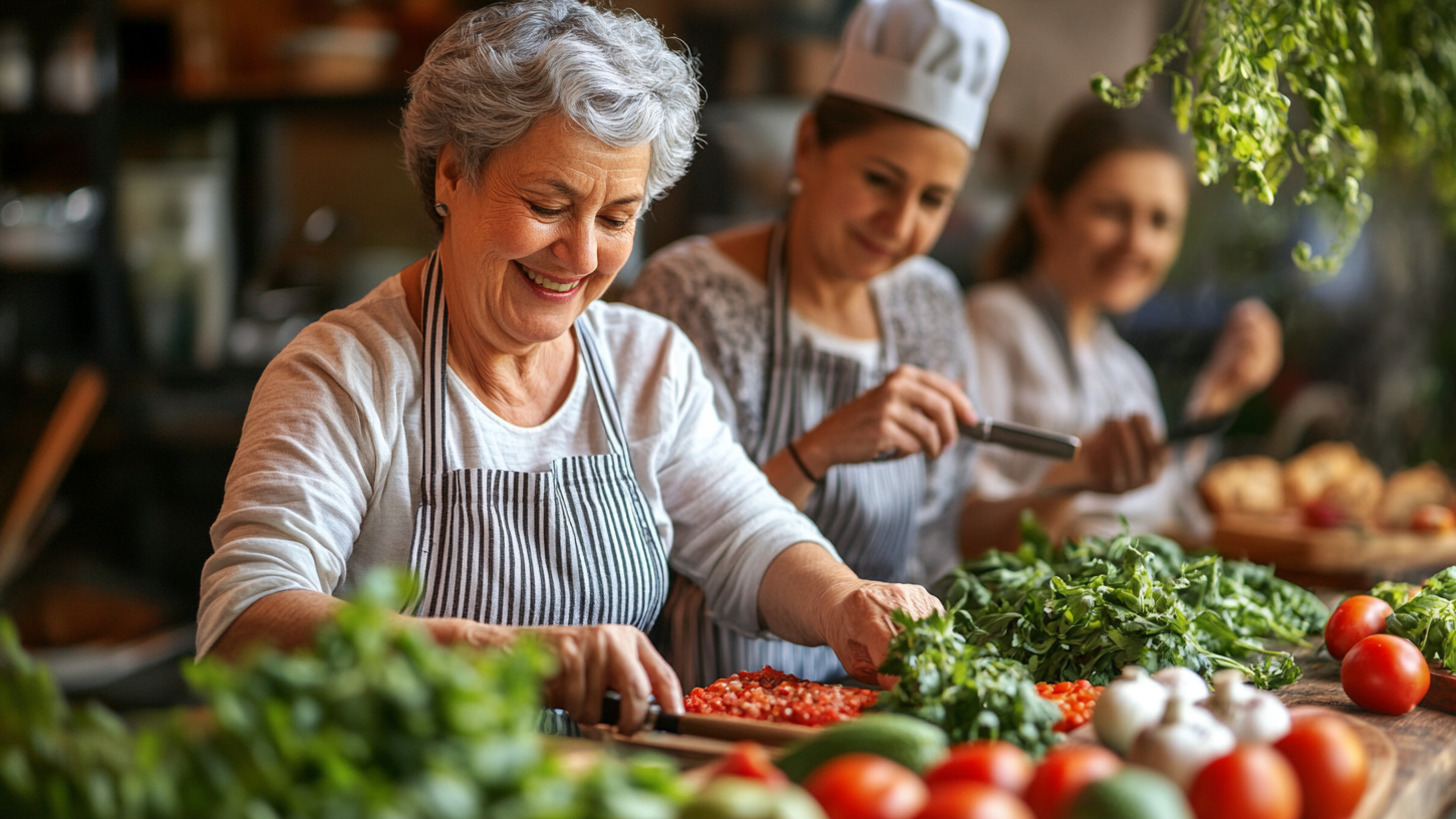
pixel 326 478
pixel 1025 378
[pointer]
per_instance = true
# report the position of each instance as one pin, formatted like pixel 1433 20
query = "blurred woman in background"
pixel 1093 238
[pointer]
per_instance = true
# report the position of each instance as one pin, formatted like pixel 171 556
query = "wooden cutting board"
pixel 1343 556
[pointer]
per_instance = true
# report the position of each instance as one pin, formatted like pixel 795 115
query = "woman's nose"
pixel 897 218
pixel 577 248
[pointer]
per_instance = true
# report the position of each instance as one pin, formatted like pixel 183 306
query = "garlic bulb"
pixel 1126 706
pixel 1183 682
pixel 1178 746
pixel 1254 716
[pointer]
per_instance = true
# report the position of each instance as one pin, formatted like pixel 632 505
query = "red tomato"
pixel 866 786
pixel 972 800
pixel 750 761
pixel 1354 620
pixel 1385 674
pixel 1322 513
pixel 988 761
pixel 1329 761
pixel 1249 782
pixel 1433 517
pixel 1063 772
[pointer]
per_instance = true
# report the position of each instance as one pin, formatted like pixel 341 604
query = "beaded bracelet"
pixel 794 453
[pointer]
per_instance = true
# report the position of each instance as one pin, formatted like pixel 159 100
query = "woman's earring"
pixel 795 186
pixel 442 209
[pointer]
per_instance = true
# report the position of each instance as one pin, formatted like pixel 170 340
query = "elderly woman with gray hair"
pixel 538 458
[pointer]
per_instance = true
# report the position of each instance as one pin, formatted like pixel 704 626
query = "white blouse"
pixel 1026 376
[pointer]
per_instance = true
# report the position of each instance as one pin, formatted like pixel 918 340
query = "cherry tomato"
pixel 989 762
pixel 1063 772
pixel 1322 513
pixel 1433 517
pixel 1354 620
pixel 866 786
pixel 749 760
pixel 1329 761
pixel 1249 782
pixel 972 800
pixel 1385 674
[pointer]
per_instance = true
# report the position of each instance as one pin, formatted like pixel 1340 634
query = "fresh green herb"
pixel 1090 607
pixel 966 689
pixel 1428 619
pixel 1265 86
pixel 377 720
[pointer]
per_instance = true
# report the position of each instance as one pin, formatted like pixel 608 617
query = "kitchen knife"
pixel 1187 430
pixel 773 734
pixel 1027 439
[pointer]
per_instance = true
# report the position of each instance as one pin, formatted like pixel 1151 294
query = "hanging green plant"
pixel 1265 86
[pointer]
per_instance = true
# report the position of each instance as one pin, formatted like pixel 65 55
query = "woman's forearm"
pixel 285 620
pixel 288 620
pixel 797 589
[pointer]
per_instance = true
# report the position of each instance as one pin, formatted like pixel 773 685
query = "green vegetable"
pixel 1428 619
pixel 968 690
pixel 377 720
pixel 1267 86
pixel 1091 607
pixel 911 742
pixel 734 797
pixel 1131 793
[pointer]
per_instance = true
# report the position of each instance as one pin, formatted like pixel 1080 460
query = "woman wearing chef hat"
pixel 838 350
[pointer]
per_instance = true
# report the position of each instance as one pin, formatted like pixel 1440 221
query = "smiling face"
pixel 872 200
pixel 1109 242
pixel 539 236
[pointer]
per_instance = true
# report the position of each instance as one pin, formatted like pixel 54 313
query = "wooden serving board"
pixel 1344 556
pixel 1442 694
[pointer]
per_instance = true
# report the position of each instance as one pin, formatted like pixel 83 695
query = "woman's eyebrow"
pixel 573 194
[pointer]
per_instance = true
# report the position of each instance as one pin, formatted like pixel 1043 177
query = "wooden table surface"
pixel 1424 784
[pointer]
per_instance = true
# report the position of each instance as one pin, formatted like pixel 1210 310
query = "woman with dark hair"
pixel 838 351
pixel 1095 237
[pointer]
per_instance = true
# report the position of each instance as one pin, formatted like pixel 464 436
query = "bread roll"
pixel 1408 490
pixel 1252 484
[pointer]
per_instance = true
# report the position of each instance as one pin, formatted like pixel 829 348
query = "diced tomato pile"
pixel 775 696
pixel 1076 700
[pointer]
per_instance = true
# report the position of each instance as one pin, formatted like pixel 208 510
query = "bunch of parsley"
pixel 1085 609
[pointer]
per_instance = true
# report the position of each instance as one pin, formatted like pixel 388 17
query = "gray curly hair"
pixel 497 70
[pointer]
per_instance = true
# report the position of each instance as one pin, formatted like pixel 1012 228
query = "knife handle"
pixel 656 720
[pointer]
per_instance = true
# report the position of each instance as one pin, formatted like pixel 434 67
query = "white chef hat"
pixel 935 60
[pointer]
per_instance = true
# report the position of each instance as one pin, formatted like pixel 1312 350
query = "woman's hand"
pixel 912 410
pixel 1245 359
pixel 591 660
pixel 856 622
pixel 1122 455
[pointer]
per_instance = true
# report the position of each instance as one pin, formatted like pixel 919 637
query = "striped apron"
pixel 867 510
pixel 573 545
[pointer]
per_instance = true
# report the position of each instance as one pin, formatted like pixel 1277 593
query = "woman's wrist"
pixel 808 459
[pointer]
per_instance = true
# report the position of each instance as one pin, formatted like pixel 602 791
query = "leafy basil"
pixel 1267 86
